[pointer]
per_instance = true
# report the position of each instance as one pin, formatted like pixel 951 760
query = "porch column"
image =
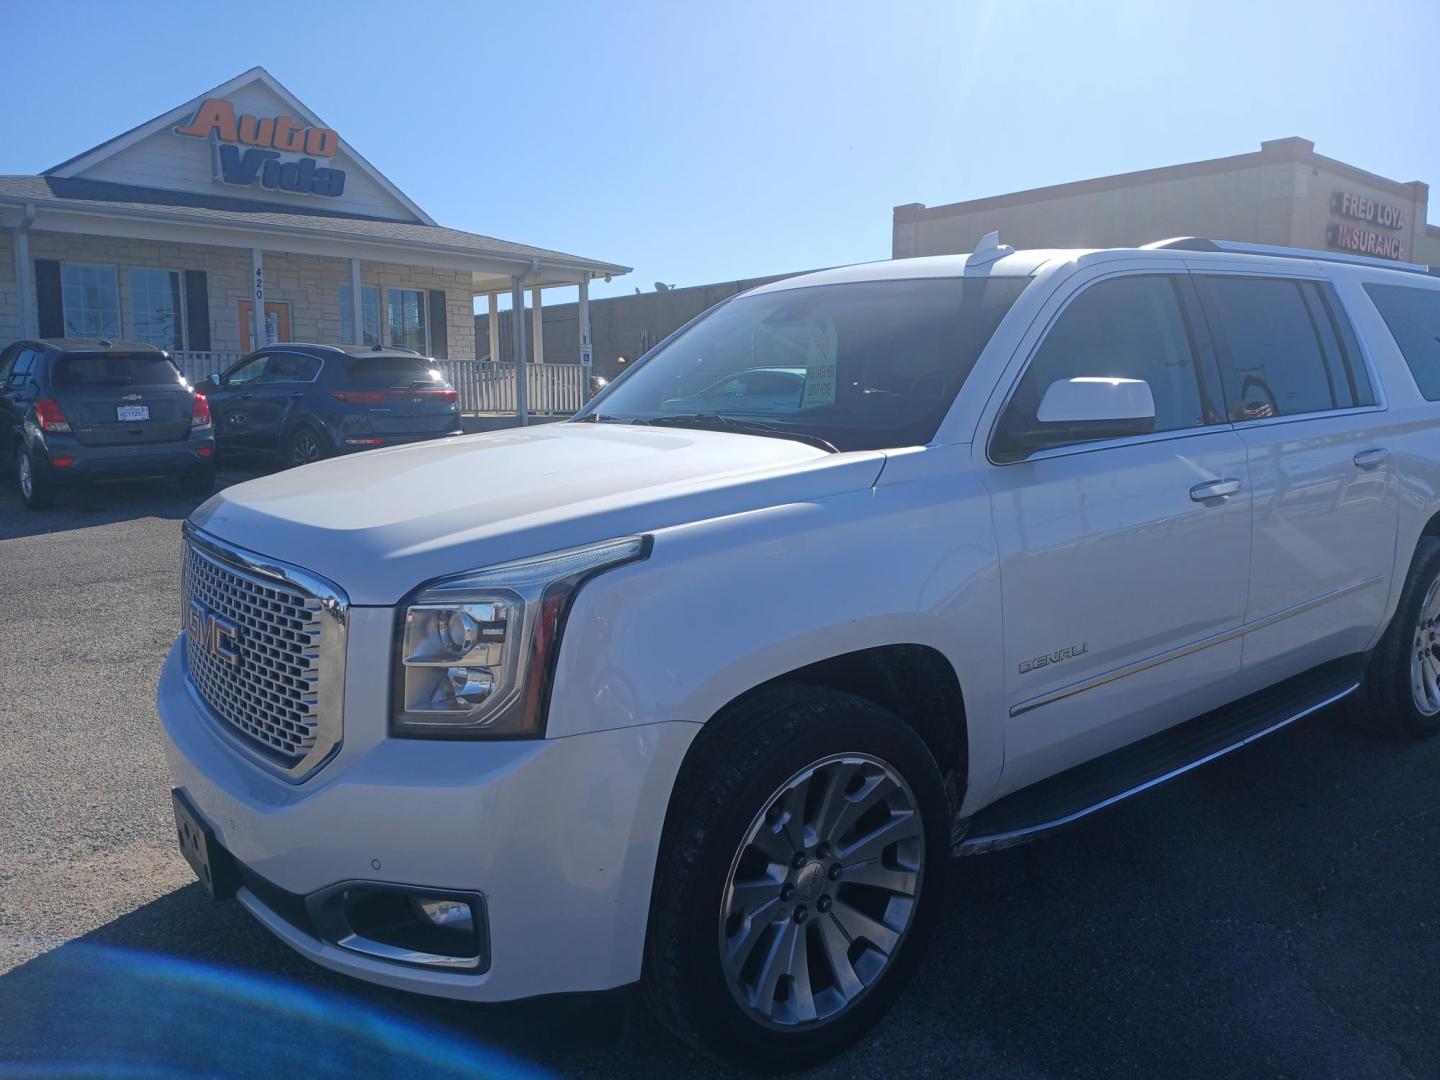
pixel 24 276
pixel 517 338
pixel 257 300
pixel 494 326
pixel 357 306
pixel 537 325
pixel 583 311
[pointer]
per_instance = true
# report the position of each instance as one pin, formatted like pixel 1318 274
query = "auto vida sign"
pixel 250 150
pixel 1385 239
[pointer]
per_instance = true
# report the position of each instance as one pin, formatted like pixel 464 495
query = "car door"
pixel 1123 563
pixel 232 403
pixel 9 414
pixel 1303 399
pixel 279 390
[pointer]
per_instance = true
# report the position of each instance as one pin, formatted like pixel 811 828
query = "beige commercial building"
pixel 1283 194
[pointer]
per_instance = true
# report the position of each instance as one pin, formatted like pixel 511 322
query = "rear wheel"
pixel 305 444
pixel 37 486
pixel 801 873
pixel 1401 692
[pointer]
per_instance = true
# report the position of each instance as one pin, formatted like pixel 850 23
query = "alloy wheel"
pixel 27 479
pixel 1425 654
pixel 304 447
pixel 821 891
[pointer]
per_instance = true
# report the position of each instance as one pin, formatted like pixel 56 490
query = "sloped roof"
pixel 99 196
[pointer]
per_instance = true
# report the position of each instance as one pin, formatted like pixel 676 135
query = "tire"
pixel 753 763
pixel 198 482
pixel 37 486
pixel 304 444
pixel 1390 698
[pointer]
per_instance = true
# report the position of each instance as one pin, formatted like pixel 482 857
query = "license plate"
pixel 125 413
pixel 211 862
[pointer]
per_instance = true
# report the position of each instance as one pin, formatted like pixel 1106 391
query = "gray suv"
pixel 77 409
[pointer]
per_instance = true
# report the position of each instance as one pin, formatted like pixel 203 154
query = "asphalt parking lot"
pixel 1275 914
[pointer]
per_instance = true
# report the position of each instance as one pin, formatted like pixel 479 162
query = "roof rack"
pixel 1201 243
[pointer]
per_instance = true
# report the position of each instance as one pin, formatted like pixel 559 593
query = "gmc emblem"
pixel 212 633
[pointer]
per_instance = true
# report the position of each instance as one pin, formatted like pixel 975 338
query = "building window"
pixel 91 297
pixel 155 308
pixel 370 312
pixel 405 311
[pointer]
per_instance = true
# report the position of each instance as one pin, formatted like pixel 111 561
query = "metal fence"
pixel 555 389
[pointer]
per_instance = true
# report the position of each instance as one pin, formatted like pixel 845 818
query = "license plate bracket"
pixel 213 865
pixel 129 414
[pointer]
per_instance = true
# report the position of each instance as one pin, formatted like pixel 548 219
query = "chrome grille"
pixel 273 679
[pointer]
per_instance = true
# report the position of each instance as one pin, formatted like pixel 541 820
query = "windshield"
pixel 114 369
pixel 862 366
pixel 393 371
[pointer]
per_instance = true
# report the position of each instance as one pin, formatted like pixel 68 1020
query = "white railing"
pixel 556 389
pixel 197 366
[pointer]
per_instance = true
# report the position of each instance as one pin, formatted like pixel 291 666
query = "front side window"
pixel 1413 316
pixel 248 371
pixel 369 314
pixel 862 365
pixel 155 306
pixel 1127 327
pixel 1280 352
pixel 405 311
pixel 91 299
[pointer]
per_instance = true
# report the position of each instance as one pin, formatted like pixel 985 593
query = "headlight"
pixel 477 651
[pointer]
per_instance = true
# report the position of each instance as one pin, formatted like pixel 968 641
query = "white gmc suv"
pixel 855 572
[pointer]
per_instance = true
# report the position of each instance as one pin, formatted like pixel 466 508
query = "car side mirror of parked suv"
pixel 213 379
pixel 1083 409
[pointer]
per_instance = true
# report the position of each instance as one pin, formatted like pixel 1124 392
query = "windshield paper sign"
pixel 820 366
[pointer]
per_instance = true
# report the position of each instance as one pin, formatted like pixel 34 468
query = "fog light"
pixel 447 914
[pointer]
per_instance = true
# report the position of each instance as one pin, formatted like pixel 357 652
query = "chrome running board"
pixel 1079 792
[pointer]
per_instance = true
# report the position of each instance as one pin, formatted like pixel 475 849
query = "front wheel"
pixel 802 871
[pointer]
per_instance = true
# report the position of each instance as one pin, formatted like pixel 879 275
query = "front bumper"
pixel 560 836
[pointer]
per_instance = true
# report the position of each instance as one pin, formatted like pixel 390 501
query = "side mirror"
pixel 213 379
pixel 1085 409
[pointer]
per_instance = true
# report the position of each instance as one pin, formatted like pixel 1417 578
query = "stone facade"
pixel 310 284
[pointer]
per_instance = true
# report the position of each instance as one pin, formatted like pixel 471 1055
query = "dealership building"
pixel 1284 194
pixel 239 218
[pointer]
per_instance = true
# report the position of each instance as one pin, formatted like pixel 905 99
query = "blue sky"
pixel 708 142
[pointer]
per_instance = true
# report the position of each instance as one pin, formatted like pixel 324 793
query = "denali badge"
pixel 211 633
pixel 1054 657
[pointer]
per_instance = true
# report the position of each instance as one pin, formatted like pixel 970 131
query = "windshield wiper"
pixel 733 423
pixel 598 418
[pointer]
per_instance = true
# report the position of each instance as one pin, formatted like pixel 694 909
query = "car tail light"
pixel 62 462
pixel 200 415
pixel 205 451
pixel 359 397
pixel 50 416
pixel 447 395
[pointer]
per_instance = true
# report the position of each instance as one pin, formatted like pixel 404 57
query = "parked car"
pixel 754 390
pixel 706 702
pixel 302 402
pixel 81 409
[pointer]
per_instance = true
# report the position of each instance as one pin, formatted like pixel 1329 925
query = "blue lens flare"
pixel 102 1011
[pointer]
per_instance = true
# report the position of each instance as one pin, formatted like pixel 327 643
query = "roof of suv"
pixel 86 344
pixel 345 350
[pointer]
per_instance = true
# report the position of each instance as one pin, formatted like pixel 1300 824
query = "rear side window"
pixel 1285 347
pixel 291 367
pixel 113 369
pixel 389 372
pixel 24 365
pixel 1413 316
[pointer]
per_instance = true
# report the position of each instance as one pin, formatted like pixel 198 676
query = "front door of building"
pixel 277 324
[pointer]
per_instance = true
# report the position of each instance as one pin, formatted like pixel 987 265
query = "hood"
pixel 380 523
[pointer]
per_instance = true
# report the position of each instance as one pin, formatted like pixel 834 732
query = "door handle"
pixel 1369 459
pixel 1215 489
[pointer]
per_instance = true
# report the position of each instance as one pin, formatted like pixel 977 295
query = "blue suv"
pixel 302 403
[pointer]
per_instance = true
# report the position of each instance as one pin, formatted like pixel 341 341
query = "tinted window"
pixel 1345 368
pixel 24 364
pixel 291 367
pixel 1272 362
pixel 1127 327
pixel 113 369
pixel 879 361
pixel 392 371
pixel 1413 316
